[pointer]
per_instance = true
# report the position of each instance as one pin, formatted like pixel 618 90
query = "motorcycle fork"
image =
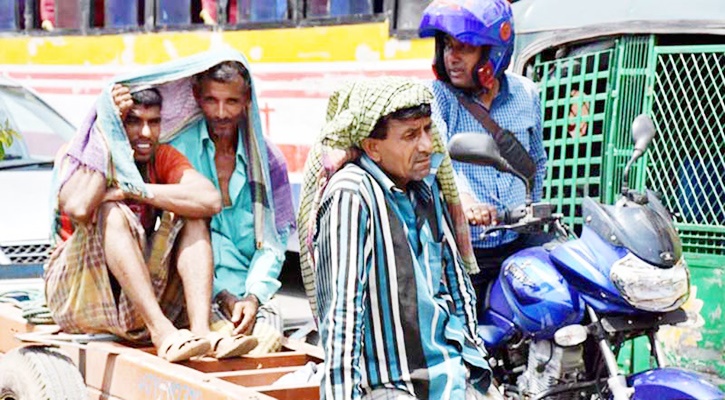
pixel 617 382
pixel 657 350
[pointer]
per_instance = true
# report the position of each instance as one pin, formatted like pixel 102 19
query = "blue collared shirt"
pixel 517 107
pixel 396 306
pixel 239 267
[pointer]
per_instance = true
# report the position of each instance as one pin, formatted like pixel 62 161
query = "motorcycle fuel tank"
pixel 539 298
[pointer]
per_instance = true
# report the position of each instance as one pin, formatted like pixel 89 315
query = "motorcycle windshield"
pixel 645 230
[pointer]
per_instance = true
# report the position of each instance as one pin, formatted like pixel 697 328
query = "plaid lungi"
pixel 78 283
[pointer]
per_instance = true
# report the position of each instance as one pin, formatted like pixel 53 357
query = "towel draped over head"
pixel 352 113
pixel 101 143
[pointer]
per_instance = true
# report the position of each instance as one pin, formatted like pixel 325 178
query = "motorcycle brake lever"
pixel 491 230
pixel 520 226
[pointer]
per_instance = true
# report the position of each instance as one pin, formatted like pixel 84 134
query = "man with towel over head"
pixel 387 248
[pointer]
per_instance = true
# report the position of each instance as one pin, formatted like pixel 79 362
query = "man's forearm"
pixel 185 200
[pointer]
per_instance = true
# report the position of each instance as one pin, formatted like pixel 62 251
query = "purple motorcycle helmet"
pixel 476 22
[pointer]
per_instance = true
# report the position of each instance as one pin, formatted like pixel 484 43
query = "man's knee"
pixel 110 217
pixel 196 228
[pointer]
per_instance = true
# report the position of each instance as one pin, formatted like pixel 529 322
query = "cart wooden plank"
pixel 263 377
pixel 13 323
pixel 311 392
pixel 130 373
pixel 120 370
pixel 274 360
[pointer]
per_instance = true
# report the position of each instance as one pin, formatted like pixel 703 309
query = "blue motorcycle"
pixel 557 316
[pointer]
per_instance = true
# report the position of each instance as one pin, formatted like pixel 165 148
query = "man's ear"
pixel 370 147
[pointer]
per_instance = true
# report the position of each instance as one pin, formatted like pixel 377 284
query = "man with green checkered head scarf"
pixel 384 251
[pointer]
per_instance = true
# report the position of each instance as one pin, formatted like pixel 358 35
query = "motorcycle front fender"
pixel 672 383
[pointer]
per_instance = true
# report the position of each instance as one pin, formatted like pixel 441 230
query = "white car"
pixel 25 177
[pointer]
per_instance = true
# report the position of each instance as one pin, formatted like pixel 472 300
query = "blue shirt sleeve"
pixel 263 273
pixel 537 150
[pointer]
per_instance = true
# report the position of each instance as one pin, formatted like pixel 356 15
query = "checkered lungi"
pixel 78 286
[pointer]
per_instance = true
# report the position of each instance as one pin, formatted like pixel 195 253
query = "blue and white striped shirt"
pixel 393 314
pixel 517 107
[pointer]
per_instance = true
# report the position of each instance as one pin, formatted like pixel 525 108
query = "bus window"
pixel 338 8
pixel 409 14
pixel 8 15
pixel 121 14
pixel 263 10
pixel 248 10
pixel 63 14
pixel 68 14
pixel 97 11
pixel 173 12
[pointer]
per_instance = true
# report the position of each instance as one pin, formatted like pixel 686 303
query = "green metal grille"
pixel 687 160
pixel 575 100
pixel 633 59
pixel 683 89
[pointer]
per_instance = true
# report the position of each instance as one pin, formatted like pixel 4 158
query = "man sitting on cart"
pixel 134 260
pixel 212 118
pixel 249 235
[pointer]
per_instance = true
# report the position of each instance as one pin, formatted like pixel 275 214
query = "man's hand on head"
pixel 122 99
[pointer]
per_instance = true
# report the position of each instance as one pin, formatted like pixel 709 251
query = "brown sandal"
pixel 223 346
pixel 182 345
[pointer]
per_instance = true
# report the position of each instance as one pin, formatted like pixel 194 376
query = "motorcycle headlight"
pixel 650 288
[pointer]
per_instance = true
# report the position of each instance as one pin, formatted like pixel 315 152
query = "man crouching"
pixel 156 247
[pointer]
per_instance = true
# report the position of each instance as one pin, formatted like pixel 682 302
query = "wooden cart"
pixel 37 359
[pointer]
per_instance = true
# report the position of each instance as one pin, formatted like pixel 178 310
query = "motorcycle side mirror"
pixel 481 149
pixel 643 131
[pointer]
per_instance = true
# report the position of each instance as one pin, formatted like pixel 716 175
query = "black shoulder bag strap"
pixel 509 147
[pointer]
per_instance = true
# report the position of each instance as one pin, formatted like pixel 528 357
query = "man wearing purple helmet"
pixel 473 47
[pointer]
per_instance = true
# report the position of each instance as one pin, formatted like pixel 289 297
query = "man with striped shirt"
pixel 396 307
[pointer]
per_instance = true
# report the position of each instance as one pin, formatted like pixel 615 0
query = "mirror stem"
pixel 625 176
pixel 625 179
pixel 528 185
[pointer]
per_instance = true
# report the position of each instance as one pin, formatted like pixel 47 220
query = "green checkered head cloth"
pixel 352 113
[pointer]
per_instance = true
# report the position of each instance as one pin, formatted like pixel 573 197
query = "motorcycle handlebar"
pixel 525 219
pixel 513 216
